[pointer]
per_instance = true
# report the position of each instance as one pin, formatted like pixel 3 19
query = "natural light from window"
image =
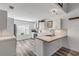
pixel 22 29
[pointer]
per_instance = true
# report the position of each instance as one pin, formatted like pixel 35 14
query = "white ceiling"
pixel 30 11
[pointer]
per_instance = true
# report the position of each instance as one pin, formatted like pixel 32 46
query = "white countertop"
pixel 7 37
pixel 58 34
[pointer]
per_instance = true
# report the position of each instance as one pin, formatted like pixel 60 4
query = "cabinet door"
pixel 32 42
pixel 3 20
pixel 39 47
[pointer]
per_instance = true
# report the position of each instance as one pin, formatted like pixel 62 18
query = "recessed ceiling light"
pixel 54 11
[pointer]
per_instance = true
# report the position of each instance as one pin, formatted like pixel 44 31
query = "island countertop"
pixel 7 37
pixel 58 34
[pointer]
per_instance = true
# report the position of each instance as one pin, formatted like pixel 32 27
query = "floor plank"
pixel 66 52
pixel 23 48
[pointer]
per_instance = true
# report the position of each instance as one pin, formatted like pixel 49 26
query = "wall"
pixel 8 47
pixel 6 24
pixel 57 23
pixel 3 20
pixel 10 28
pixel 72 27
pixel 10 25
pixel 31 26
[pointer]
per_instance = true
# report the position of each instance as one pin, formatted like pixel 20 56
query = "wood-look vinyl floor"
pixel 23 48
pixel 66 52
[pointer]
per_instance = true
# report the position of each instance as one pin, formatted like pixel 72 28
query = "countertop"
pixel 7 37
pixel 58 34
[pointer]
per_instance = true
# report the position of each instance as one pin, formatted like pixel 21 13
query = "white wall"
pixel 8 47
pixel 57 23
pixel 10 28
pixel 3 20
pixel 72 27
pixel 10 25
pixel 31 26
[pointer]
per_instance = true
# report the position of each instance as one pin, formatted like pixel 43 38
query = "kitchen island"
pixel 7 46
pixel 47 45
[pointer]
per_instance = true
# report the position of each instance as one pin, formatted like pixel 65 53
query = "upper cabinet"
pixel 3 20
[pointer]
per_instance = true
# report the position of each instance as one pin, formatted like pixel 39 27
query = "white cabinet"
pixel 33 45
pixel 8 46
pixel 52 47
pixel 37 46
pixel 3 20
pixel 42 48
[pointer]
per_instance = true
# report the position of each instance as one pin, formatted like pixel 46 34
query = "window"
pixel 22 29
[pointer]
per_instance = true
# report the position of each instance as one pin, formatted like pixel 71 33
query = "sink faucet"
pixel 53 32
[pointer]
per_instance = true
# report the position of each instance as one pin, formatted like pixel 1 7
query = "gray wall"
pixel 8 45
pixel 9 31
pixel 72 27
pixel 10 25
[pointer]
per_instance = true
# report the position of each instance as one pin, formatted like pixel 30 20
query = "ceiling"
pixel 30 11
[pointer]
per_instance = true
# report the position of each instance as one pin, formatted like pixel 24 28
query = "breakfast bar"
pixel 48 44
pixel 49 38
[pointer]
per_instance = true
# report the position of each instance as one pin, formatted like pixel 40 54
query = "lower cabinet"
pixel 37 47
pixel 8 47
pixel 42 48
